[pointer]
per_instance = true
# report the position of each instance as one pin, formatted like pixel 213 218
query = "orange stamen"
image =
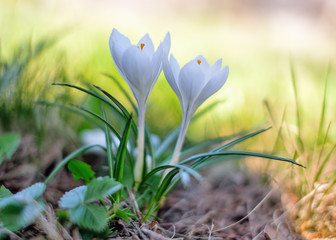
pixel 142 46
pixel 199 62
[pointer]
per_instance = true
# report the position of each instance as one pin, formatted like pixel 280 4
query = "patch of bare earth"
pixel 233 205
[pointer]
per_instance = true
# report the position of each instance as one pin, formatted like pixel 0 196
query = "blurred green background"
pixel 256 39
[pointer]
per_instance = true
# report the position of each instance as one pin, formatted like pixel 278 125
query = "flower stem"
pixel 183 130
pixel 140 144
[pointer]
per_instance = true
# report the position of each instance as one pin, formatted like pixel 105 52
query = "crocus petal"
pixel 157 64
pixel 202 62
pixel 171 71
pixel 166 45
pixel 138 71
pixel 214 68
pixel 118 45
pixel 213 85
pixel 161 55
pixel 191 81
pixel 148 46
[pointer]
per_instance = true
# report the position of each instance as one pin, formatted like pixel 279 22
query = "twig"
pixel 142 235
pixel 252 211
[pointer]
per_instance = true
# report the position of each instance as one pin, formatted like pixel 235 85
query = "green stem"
pixel 138 169
pixel 68 159
pixel 183 130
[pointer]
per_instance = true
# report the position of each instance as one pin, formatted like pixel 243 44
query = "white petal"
pixel 137 68
pixel 157 64
pixel 171 70
pixel 148 46
pixel 214 84
pixel 160 55
pixel 118 45
pixel 215 68
pixel 166 43
pixel 175 67
pixel 191 81
pixel 202 62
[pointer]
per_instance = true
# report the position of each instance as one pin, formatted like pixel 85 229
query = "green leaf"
pixel 71 109
pixel 122 90
pixel 81 170
pixel 100 188
pixel 73 198
pixel 4 192
pixel 21 209
pixel 91 217
pixel 9 142
pixel 99 117
pixel 26 195
pixel 70 157
pixel 199 158
pixel 187 169
pixel 17 215
pixel 124 214
pixel 120 158
pixel 108 144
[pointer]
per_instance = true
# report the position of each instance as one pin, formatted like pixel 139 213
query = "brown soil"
pixel 222 208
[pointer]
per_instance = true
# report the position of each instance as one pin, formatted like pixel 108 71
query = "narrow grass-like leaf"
pixel 205 110
pixel 166 143
pixel 324 101
pixel 92 94
pixel 155 203
pixel 239 140
pixel 150 150
pixel 108 144
pixel 100 118
pixel 68 159
pixel 200 157
pixel 115 80
pixel 197 147
pixel 124 214
pixel 189 170
pixel 172 136
pixel 122 149
pixel 297 103
pixel 120 106
pixel 332 184
pixel 116 102
pixel 232 143
pixel 165 184
pixel 323 165
pixel 70 108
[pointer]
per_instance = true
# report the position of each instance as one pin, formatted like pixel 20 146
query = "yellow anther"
pixel 142 46
pixel 199 62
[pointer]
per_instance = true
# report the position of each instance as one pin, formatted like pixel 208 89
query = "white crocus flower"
pixel 193 84
pixel 140 66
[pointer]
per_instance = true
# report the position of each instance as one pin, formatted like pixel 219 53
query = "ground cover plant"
pixel 139 173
